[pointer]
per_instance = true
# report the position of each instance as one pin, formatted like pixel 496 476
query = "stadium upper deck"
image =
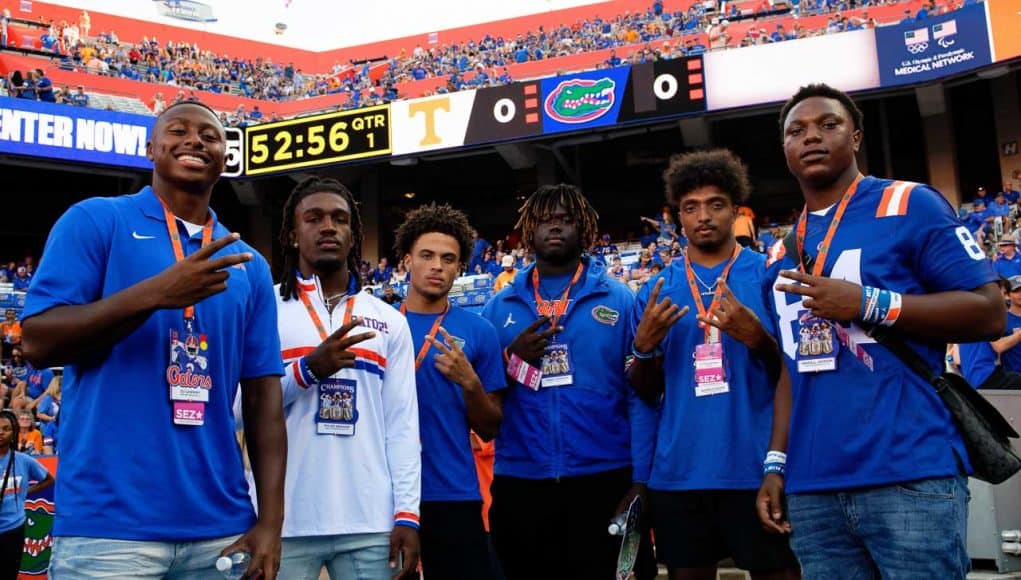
pixel 226 74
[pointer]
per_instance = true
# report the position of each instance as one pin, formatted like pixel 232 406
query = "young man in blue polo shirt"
pixel 876 469
pixel 458 372
pixel 157 312
pixel 564 451
pixel 717 373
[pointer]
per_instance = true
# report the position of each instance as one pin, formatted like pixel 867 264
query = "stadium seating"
pixel 26 37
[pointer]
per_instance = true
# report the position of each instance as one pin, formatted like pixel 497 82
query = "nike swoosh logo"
pixel 137 236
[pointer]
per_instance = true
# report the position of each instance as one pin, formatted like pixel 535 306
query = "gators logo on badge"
pixel 606 315
pixel 580 100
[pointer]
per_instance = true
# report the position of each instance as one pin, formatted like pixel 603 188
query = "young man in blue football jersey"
pixel 564 452
pixel 123 284
pixel 876 469
pixel 458 372
pixel 718 386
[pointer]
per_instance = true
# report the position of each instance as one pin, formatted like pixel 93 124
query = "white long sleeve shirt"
pixel 362 483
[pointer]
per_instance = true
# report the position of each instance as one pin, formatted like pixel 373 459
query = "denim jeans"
pixel 82 558
pixel 907 531
pixel 346 556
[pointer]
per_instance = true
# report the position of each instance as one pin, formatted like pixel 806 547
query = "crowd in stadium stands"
pixel 473 64
pixel 31 393
pixel 994 223
pixel 633 260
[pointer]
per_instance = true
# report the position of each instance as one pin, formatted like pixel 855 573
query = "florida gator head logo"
pixel 606 315
pixel 580 100
pixel 38 537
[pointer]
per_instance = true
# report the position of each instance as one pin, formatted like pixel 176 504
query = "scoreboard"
pixel 317 140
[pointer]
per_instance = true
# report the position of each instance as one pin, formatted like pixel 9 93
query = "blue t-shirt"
pixel 37 380
pixel 22 284
pixel 1011 195
pixel 978 361
pixel 1008 267
pixel 45 89
pixel 1010 359
pixel 996 209
pixel 182 483
pixel 856 427
pixel 48 406
pixel 975 221
pixel 448 466
pixel 715 441
pixel 26 469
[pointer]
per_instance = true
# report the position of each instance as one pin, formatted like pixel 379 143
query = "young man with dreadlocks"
pixel 158 312
pixel 352 487
pixel 18 470
pixel 564 451
pixel 458 371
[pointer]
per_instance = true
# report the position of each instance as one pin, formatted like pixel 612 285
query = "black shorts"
pixel 546 529
pixel 12 546
pixel 455 545
pixel 697 529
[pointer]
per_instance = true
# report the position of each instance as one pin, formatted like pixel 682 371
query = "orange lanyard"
pixel 316 321
pixel 432 334
pixel 824 247
pixel 550 307
pixel 697 296
pixel 175 242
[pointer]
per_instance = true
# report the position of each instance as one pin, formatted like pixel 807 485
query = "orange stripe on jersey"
pixel 775 253
pixel 895 199
pixel 293 353
pixel 369 355
pixel 298 352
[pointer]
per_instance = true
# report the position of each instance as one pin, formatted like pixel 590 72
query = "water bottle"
pixel 617 525
pixel 233 567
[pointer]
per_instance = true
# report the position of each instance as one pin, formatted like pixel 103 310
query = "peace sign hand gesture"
pixel 452 361
pixel 334 354
pixel 197 276
pixel 530 345
pixel 829 298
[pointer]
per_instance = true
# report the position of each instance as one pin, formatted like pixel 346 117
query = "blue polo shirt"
pixel 448 466
pixel 996 209
pixel 159 481
pixel 1008 267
